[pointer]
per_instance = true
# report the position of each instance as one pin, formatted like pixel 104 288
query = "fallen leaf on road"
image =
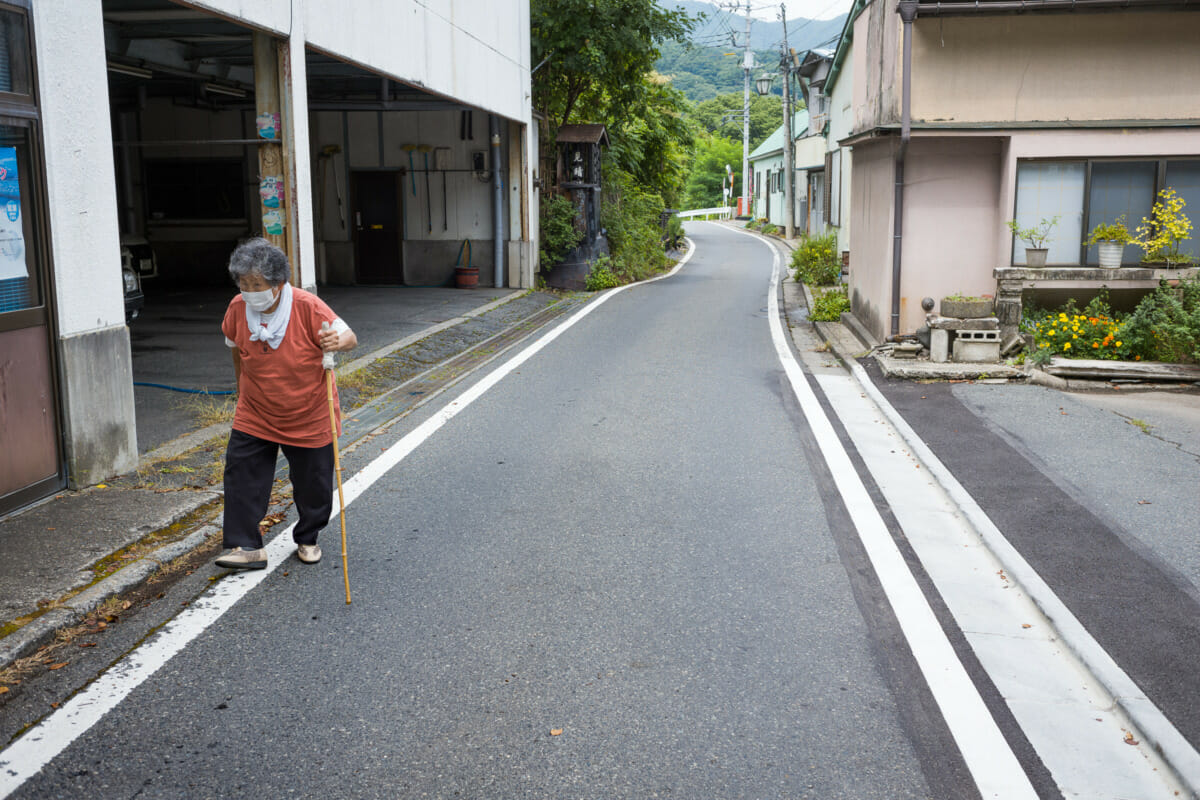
pixel 59 665
pixel 1129 738
pixel 1026 625
pixel 556 732
pixel 1143 502
pixel 87 644
pixel 126 605
pixel 3 690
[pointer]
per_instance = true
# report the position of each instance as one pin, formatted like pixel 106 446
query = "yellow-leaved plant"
pixel 1165 230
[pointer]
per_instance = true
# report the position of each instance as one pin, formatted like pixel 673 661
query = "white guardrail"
pixel 720 212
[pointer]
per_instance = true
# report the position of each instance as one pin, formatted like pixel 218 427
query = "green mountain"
pixel 711 64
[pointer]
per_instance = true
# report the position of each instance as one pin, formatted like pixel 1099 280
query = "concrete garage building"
pixel 369 139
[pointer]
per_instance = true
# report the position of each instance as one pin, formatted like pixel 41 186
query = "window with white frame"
pixel 1086 192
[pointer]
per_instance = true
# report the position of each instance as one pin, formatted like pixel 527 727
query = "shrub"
pixel 557 234
pixel 769 228
pixel 674 232
pixel 1165 326
pixel 601 276
pixel 816 261
pixel 630 216
pixel 828 304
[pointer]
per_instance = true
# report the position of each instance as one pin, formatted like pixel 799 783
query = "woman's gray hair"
pixel 261 257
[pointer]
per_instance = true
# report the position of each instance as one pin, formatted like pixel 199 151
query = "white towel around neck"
pixel 276 322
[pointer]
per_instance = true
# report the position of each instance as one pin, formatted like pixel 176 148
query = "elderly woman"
pixel 275 334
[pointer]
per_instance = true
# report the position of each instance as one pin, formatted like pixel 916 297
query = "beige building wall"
pixel 1134 65
pixel 951 214
pixel 875 65
pixel 871 219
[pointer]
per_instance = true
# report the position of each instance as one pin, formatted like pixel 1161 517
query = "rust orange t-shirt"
pixel 282 396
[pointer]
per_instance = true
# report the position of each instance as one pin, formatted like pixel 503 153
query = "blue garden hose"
pixel 185 391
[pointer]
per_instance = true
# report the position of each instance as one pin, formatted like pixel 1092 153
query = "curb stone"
pixel 28 638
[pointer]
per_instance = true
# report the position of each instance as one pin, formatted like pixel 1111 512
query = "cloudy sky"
pixel 809 9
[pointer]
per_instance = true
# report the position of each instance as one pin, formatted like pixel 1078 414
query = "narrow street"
pixel 648 554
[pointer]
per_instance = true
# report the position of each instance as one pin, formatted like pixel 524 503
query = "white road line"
pixel 25 757
pixel 992 764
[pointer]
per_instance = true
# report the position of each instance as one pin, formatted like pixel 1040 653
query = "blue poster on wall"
pixel 12 234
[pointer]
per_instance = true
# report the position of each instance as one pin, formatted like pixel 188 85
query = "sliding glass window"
pixel 1084 193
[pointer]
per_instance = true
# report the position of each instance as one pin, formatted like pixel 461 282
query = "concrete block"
pixel 939 345
pixel 956 324
pixel 977 346
pixel 97 382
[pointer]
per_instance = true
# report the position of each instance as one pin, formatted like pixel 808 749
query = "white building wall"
pixel 476 51
pixel 841 119
pixel 80 178
pixel 95 366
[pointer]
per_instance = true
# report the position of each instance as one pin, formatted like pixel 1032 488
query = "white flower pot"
pixel 1110 254
pixel 1035 256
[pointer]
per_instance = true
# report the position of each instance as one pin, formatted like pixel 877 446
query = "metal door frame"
pixel 22 111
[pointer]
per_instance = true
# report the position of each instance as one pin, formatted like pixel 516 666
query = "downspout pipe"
pixel 908 12
pixel 497 200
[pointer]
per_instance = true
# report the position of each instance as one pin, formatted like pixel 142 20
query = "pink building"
pixel 967 114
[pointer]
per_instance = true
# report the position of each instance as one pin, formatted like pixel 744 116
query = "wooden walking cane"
pixel 328 363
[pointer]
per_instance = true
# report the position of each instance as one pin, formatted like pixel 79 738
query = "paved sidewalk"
pixel 63 557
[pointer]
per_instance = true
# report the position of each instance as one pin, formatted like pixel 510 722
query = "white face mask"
pixel 259 301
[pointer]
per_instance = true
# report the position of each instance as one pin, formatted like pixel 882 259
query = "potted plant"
pixel 1110 239
pixel 962 306
pixel 1166 229
pixel 1035 239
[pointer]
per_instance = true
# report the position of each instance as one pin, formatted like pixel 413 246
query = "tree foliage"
pixel 711 155
pixel 703 73
pixel 766 114
pixel 652 140
pixel 597 52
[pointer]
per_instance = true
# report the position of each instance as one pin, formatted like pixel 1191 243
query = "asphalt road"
pixel 614 574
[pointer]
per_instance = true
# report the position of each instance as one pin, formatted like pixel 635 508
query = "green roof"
pixel 774 142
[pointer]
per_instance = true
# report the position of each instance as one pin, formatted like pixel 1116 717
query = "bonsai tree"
pixel 1037 235
pixel 1167 228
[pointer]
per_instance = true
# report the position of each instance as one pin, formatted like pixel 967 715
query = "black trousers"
pixel 249 475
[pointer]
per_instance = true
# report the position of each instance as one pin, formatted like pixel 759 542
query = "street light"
pixel 763 85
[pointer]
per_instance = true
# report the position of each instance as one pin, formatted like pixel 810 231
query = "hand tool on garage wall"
pixel 424 148
pixel 412 169
pixel 441 162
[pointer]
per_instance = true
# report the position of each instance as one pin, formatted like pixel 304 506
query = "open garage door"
pixel 402 179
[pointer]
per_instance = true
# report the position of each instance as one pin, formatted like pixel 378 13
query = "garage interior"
pixel 401 178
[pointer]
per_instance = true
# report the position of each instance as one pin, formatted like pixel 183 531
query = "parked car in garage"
pixel 137 260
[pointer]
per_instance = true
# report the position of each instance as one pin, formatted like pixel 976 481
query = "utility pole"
pixel 747 67
pixel 785 67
